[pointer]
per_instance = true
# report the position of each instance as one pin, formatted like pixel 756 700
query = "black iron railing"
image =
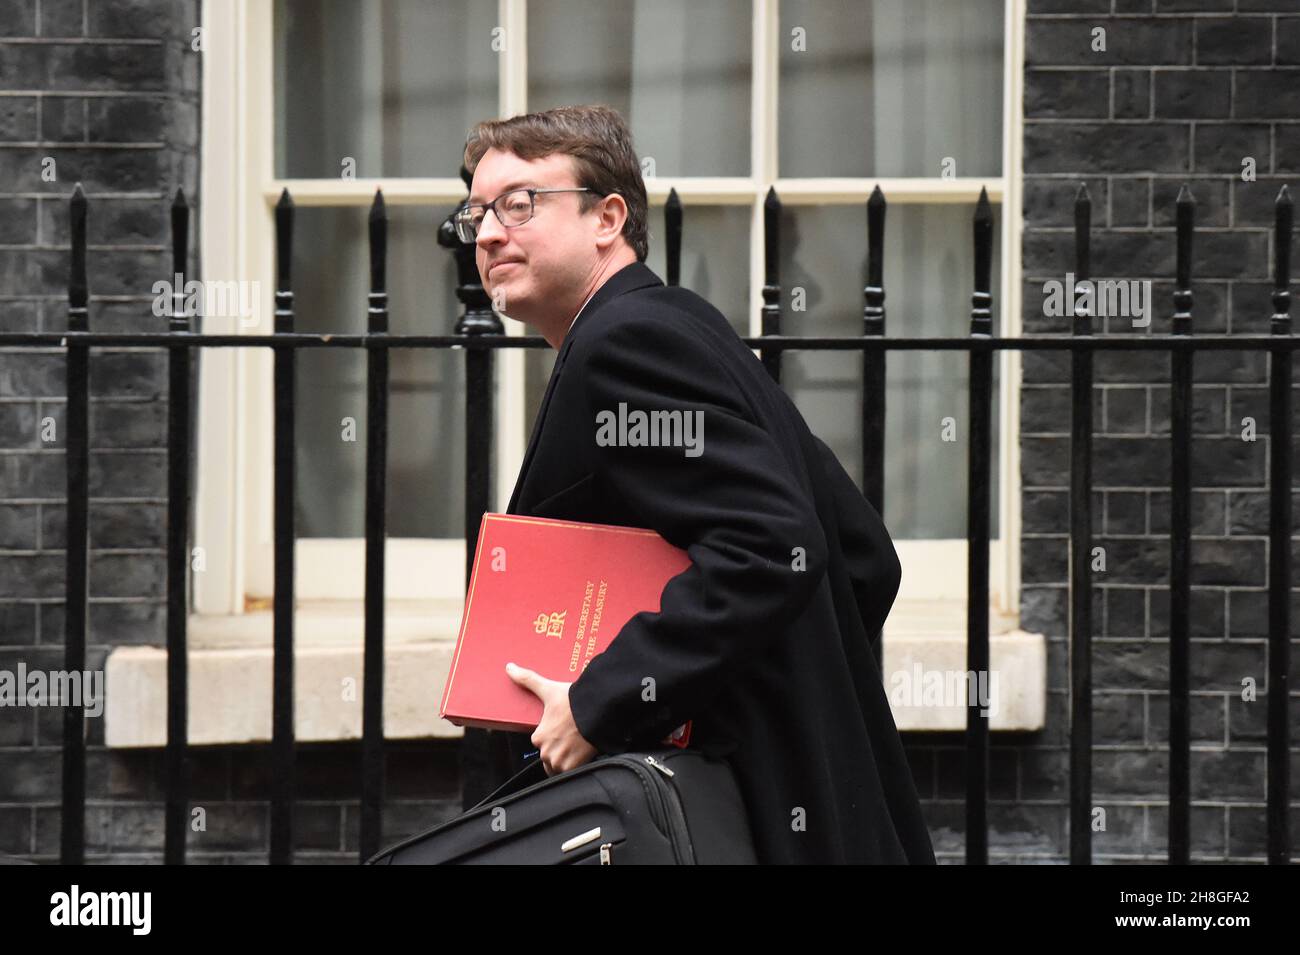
pixel 479 337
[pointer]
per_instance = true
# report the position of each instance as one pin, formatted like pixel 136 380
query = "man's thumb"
pixel 521 675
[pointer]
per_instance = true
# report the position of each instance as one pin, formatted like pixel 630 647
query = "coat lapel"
pixel 630 277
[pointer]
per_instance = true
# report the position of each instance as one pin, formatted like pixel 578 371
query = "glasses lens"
pixel 467 224
pixel 516 208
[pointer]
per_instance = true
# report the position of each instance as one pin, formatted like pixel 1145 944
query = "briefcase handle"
pixel 534 772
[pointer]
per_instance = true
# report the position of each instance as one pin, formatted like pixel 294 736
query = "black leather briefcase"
pixel 663 806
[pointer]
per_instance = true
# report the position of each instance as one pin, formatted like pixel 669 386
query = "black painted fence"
pixel 479 335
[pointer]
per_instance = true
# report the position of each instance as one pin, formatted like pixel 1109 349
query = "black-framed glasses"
pixel 511 209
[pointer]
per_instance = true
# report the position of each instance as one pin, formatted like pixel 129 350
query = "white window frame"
pixel 238 192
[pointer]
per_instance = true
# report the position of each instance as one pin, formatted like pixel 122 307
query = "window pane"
pixel 677 70
pixel 426 412
pixel 890 87
pixel 715 257
pixel 929 275
pixel 394 86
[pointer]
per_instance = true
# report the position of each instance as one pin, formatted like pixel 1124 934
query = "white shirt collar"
pixel 579 312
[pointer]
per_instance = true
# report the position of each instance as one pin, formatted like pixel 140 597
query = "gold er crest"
pixel 552 625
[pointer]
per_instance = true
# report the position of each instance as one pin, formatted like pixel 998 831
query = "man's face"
pixel 552 256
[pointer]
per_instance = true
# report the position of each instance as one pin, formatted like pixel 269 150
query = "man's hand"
pixel 560 745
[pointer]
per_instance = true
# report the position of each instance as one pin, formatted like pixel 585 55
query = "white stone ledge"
pixel 230 677
pixel 1017 683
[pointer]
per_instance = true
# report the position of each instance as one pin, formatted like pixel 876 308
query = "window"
pixel 822 100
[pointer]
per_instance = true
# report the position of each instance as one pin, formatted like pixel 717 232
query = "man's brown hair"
pixel 600 143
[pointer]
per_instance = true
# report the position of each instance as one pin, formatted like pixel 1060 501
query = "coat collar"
pixel 636 275
pixel 627 279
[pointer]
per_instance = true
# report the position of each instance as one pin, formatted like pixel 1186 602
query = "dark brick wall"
pixel 1184 91
pixel 109 93
pixel 109 89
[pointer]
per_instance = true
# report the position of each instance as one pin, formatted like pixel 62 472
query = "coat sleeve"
pixel 757 549
pixel 869 554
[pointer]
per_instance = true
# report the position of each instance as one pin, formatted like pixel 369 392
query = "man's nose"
pixel 490 230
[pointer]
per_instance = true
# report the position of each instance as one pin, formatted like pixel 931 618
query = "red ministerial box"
pixel 548 595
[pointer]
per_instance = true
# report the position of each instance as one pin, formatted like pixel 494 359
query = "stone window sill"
pixel 230 674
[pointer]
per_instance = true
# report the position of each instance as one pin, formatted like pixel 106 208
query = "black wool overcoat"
pixel 766 641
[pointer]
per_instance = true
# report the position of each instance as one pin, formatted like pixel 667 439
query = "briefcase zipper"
pixel 659 766
pixel 669 806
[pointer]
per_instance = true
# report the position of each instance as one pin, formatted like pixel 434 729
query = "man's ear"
pixel 613 215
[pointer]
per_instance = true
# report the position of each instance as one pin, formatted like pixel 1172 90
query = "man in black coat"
pixel 764 642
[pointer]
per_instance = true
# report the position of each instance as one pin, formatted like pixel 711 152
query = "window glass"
pixel 426 412
pixel 678 72
pixel 929 276
pixel 380 88
pixel 890 87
